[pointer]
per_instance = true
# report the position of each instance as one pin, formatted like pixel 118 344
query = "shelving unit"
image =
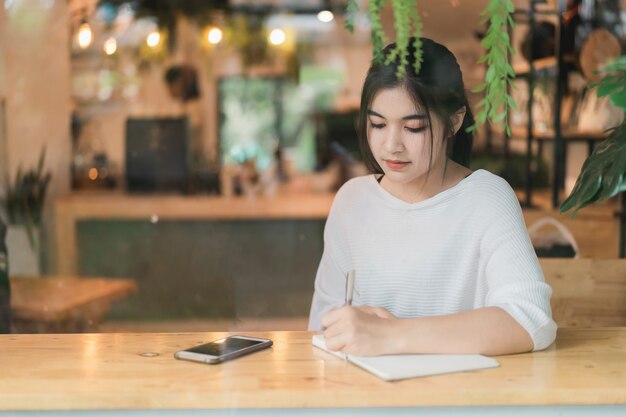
pixel 529 73
pixel 560 136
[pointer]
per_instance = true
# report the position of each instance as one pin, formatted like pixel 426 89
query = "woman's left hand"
pixel 361 331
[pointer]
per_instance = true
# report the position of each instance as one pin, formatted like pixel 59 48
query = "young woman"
pixel 442 259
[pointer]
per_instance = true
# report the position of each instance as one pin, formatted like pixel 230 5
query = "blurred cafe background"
pixel 178 158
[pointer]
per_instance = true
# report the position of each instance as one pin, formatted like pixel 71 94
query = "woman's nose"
pixel 393 141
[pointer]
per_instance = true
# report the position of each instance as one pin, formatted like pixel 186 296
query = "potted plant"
pixel 5 289
pixel 22 203
pixel 603 174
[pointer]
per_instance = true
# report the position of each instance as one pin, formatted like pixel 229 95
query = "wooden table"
pixel 63 304
pixel 138 372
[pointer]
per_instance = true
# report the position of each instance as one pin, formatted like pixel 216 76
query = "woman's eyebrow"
pixel 373 113
pixel 414 117
pixel 409 117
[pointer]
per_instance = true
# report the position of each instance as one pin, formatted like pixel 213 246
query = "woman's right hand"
pixel 377 311
pixel 362 331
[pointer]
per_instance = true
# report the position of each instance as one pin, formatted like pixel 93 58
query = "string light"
pixel 277 37
pixel 84 35
pixel 153 39
pixel 325 16
pixel 110 46
pixel 215 36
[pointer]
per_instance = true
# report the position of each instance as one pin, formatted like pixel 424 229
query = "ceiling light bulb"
pixel 110 46
pixel 215 36
pixel 84 35
pixel 277 37
pixel 325 16
pixel 153 39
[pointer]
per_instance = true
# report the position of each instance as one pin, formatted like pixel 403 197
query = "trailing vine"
pixel 407 24
pixel 497 44
pixel 378 35
pixel 352 11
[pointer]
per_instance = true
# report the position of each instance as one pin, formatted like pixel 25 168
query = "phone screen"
pixel 223 346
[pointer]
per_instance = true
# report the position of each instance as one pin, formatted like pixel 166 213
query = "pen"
pixel 349 287
pixel 349 292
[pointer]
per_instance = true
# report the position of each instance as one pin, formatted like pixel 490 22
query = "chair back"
pixel 587 292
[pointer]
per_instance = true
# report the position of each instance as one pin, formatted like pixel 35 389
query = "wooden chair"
pixel 587 292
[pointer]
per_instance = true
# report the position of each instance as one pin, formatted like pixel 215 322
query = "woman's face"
pixel 399 136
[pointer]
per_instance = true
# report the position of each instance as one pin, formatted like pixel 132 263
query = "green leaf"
pixel 478 88
pixel 352 9
pixel 511 21
pixel 602 175
pixel 500 117
pixel 487 42
pixel 610 84
pixel 491 74
pixel 619 64
pixel 619 99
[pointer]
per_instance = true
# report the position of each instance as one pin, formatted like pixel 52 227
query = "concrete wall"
pixel 3 144
pixel 35 82
pixel 37 86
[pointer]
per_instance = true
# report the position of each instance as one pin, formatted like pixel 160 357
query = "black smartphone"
pixel 224 349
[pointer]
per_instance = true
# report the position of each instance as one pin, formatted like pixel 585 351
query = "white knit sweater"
pixel 465 248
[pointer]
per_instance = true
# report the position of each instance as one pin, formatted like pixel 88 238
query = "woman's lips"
pixel 396 165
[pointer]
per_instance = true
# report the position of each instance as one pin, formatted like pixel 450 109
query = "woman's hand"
pixel 361 331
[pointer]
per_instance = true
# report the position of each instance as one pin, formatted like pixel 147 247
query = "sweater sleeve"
pixel 515 281
pixel 330 279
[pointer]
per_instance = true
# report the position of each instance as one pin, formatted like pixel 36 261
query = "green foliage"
pixel 603 173
pixel 379 40
pixel 497 44
pixel 24 198
pixel 352 10
pixel 613 84
pixel 407 24
pixel 406 17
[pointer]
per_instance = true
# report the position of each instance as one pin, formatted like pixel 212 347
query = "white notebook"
pixel 394 367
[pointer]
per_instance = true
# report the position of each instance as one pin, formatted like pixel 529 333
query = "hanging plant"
pixel 497 44
pixel 407 24
pixel 495 105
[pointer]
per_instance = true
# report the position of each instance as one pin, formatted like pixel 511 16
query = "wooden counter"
pixel 70 209
pixel 110 371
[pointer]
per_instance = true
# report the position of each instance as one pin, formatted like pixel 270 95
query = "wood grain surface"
pixel 587 292
pixel 58 298
pixel 138 371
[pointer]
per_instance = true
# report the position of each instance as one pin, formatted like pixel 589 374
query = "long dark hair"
pixel 438 88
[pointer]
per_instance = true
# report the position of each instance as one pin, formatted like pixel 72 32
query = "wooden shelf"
pixel 523 69
pixel 568 134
